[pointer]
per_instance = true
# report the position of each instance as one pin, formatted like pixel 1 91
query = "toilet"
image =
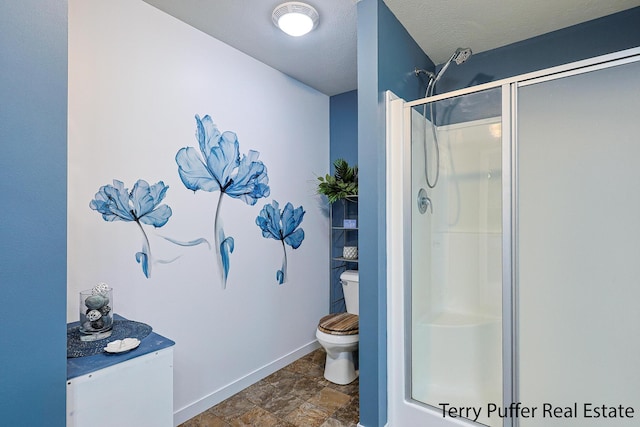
pixel 337 333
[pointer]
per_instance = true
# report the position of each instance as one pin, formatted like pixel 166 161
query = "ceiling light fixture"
pixel 295 18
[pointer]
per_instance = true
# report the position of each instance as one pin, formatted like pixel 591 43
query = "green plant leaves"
pixel 341 185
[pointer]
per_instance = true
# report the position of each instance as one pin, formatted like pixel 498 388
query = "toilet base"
pixel 339 368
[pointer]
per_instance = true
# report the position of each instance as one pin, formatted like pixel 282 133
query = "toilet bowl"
pixel 337 333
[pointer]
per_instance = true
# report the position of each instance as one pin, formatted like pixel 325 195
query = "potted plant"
pixel 341 185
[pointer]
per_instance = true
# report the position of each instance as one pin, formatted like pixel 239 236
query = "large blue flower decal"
pixel 282 225
pixel 140 205
pixel 217 166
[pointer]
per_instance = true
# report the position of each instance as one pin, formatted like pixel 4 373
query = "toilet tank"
pixel 350 282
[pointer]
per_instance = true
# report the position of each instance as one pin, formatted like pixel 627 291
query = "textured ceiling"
pixel 325 59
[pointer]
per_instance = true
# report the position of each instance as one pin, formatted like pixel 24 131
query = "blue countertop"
pixel 78 366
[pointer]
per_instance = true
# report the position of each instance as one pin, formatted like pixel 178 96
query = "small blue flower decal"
pixel 282 226
pixel 140 205
pixel 217 166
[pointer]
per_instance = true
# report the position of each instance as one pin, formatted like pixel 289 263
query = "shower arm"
pixel 443 69
pixel 460 56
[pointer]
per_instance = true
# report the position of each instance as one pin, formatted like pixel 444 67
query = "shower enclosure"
pixel 514 281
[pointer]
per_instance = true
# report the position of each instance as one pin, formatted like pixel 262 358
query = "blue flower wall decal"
pixel 282 226
pixel 140 205
pixel 217 166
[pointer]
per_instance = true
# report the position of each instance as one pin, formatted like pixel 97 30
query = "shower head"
pixel 459 57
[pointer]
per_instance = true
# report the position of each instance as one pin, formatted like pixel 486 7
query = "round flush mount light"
pixel 295 18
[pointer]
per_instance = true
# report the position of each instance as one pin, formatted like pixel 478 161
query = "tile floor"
pixel 295 396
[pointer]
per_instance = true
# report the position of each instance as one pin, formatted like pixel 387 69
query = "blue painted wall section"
pixel 601 36
pixel 371 382
pixel 387 57
pixel 343 127
pixel 33 123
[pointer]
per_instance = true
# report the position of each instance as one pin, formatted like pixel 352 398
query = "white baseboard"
pixel 197 407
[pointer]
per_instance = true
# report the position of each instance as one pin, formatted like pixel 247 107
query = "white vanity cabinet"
pixel 128 389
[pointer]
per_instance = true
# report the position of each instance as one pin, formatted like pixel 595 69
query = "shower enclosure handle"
pixel 424 201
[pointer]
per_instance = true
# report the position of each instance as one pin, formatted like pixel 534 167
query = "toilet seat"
pixel 339 324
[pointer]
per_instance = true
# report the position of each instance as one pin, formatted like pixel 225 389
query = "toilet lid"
pixel 339 324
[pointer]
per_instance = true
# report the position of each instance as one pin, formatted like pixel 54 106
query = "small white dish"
pixel 120 346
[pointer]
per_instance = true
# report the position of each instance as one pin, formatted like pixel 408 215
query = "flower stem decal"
pixel 282 226
pixel 144 256
pixel 218 167
pixel 224 246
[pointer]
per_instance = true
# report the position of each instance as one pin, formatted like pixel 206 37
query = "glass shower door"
pixel 455 302
pixel 579 256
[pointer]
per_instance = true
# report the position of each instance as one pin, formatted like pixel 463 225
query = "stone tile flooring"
pixel 295 396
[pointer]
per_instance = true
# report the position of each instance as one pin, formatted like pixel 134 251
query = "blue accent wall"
pixel 33 134
pixel 387 57
pixel 343 127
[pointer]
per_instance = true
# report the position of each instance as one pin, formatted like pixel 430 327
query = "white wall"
pixel 137 78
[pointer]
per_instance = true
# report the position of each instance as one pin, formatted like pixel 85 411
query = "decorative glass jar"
pixel 96 313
